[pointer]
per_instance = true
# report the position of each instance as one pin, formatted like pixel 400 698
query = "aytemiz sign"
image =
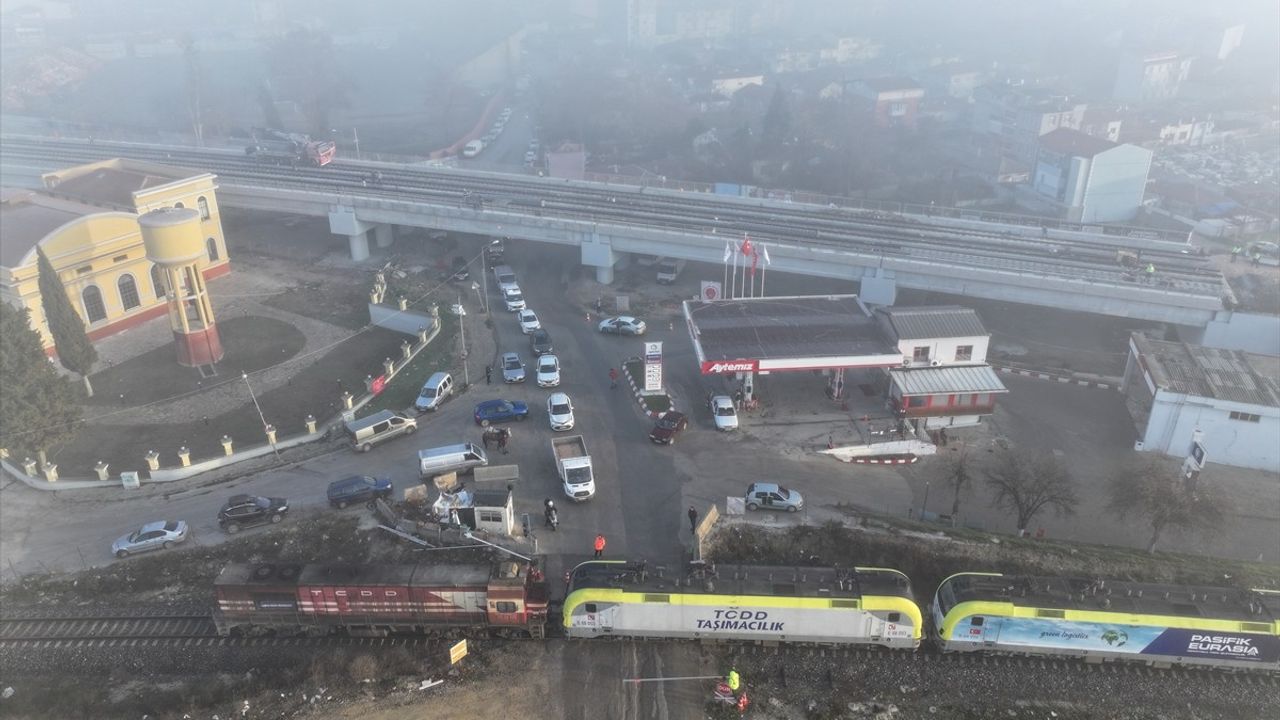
pixel 715 367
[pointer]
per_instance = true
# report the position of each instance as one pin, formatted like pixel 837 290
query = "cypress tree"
pixel 75 352
pixel 38 407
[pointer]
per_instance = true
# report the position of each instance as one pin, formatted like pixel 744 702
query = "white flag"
pixel 764 253
pixel 727 253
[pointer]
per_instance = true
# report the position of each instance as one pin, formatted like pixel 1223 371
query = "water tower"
pixel 174 242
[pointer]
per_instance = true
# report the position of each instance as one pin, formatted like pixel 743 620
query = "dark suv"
pixel 243 511
pixel 540 341
pixel 358 489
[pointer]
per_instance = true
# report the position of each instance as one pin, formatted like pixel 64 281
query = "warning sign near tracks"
pixel 457 652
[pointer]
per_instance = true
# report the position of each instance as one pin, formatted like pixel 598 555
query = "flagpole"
pixel 726 271
pixel 764 269
pixel 733 288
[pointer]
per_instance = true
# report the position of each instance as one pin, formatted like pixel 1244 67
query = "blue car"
pixel 496 411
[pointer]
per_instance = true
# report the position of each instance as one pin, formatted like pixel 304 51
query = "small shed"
pixel 492 510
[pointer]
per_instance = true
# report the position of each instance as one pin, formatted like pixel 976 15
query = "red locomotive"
pixel 507 598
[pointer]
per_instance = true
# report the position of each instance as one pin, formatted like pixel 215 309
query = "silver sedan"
pixel 152 536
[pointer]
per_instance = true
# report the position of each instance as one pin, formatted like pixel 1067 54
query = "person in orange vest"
pixel 599 545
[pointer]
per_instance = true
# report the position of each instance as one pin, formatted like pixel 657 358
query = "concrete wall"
pixel 1251 332
pixel 404 321
pixel 943 350
pixel 1238 443
pixel 1116 185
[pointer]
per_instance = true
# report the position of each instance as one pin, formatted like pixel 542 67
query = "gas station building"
pixel 929 362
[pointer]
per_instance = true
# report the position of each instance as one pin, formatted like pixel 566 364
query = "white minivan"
pixel 472 148
pixel 437 389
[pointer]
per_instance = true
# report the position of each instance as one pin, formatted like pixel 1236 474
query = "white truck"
pixel 574 465
pixel 669 269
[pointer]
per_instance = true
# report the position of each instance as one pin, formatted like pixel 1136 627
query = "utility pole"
pixel 462 333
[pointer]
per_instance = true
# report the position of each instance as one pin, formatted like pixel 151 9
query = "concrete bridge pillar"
pixel 343 221
pixel 598 252
pixel 359 246
pixel 879 287
pixel 384 234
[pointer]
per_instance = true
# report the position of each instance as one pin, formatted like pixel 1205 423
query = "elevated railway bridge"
pixel 1067 270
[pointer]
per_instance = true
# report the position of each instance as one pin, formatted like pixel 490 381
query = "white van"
pixel 506 278
pixel 369 431
pixel 450 458
pixel 433 394
pixel 669 269
pixel 472 148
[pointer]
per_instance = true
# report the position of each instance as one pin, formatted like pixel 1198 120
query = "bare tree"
pixel 957 471
pixel 1028 483
pixel 1154 489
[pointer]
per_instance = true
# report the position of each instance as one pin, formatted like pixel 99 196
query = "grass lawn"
pixel 314 389
pixel 441 354
pixel 251 344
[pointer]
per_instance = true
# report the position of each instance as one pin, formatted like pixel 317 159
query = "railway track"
pixel 34 632
pixel 801 226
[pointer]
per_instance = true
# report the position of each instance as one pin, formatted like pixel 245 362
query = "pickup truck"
pixel 574 465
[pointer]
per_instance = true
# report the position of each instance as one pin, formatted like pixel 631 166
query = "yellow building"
pixel 86 222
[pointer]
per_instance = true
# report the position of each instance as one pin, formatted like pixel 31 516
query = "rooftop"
pixel 1232 375
pixel 945 380
pixel 113 182
pixel 640 577
pixel 832 326
pixel 889 84
pixel 918 323
pixel 1119 596
pixel 28 217
pixel 292 574
pixel 1074 143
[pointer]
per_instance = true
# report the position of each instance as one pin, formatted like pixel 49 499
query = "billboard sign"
pixel 711 290
pixel 720 367
pixel 653 367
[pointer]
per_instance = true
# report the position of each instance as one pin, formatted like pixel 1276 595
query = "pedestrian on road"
pixel 549 509
pixel 488 374
pixel 737 398
pixel 502 440
pixel 693 519
pixel 599 546
pixel 484 437
pixel 613 377
pixel 1257 259
pixel 1235 252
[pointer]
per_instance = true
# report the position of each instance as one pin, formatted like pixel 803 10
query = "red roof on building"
pixel 1074 143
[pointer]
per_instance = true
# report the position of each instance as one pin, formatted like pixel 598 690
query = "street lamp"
pixel 355 135
pixel 245 376
pixel 461 312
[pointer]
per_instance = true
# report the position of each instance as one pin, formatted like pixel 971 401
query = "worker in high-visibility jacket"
pixel 733 680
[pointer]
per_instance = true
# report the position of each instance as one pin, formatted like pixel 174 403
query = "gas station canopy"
pixel 769 334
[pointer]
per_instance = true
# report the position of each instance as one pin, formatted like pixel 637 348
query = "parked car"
pixel 622 325
pixel 514 299
pixel 242 511
pixel 548 371
pixel 560 411
pixel 152 536
pixel 668 425
pixel 771 496
pixel 540 342
pixel 496 411
pixel 529 157
pixel 528 320
pixel 358 489
pixel 512 368
pixel 723 412
pixel 460 270
pixel 494 250
pixel 434 392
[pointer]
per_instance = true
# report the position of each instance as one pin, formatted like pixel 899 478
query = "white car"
pixel 548 371
pixel 723 413
pixel 528 321
pixel 560 411
pixel 622 325
pixel 514 299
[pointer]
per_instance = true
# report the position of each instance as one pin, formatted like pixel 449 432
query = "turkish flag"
pixel 746 246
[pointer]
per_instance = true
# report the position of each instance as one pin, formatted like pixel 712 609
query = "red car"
pixel 669 425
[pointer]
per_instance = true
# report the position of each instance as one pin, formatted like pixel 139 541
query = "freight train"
pixel 1100 620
